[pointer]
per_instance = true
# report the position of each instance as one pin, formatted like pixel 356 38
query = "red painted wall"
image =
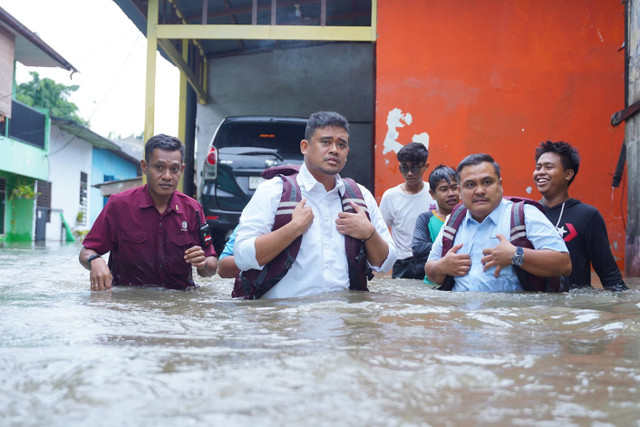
pixel 500 77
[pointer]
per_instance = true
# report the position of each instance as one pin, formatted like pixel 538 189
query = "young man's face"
pixel 480 190
pixel 163 172
pixel 550 176
pixel 327 150
pixel 413 172
pixel 446 195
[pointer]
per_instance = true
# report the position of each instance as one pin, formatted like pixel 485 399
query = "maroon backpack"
pixel 518 237
pixel 253 284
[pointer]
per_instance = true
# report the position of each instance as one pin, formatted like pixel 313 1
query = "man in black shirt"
pixel 580 225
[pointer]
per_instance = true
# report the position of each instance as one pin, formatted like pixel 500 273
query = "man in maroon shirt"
pixel 151 231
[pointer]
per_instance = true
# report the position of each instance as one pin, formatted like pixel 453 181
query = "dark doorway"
pixel 42 215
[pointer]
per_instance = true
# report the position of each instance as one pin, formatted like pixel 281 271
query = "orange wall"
pixel 499 77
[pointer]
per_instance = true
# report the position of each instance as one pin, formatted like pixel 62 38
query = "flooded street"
pixel 402 354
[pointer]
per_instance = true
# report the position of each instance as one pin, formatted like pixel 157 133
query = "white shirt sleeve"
pixel 376 219
pixel 257 218
pixel 385 206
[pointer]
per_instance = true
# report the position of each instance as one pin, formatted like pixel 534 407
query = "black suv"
pixel 241 148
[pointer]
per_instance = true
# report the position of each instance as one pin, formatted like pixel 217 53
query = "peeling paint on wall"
pixel 396 119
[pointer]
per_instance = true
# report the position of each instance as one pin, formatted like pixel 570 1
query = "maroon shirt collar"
pixel 147 201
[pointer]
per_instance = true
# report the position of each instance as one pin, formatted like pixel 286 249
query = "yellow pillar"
pixel 152 48
pixel 374 20
pixel 182 113
pixel 182 107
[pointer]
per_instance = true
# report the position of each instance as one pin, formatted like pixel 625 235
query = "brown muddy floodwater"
pixel 402 354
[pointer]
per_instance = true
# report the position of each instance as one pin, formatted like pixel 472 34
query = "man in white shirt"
pixel 401 205
pixel 321 264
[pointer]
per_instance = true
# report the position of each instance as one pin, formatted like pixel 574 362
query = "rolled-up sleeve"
pixel 378 222
pixel 541 232
pixel 257 218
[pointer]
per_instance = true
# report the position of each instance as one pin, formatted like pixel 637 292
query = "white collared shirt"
pixel 321 265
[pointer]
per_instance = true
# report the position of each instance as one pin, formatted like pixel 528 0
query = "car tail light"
pixel 212 157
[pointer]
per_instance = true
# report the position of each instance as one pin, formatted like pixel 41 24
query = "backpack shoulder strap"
pixel 518 233
pixel 288 200
pixel 518 237
pixel 450 228
pixel 252 284
pixel 359 270
pixel 353 194
pixel 518 230
pixel 531 202
pixel 280 170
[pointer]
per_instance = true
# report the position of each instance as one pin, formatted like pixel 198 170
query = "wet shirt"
pixel 147 247
pixel 477 236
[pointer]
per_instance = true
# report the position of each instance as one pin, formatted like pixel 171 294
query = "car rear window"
pixel 285 137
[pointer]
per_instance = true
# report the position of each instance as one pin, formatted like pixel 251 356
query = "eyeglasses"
pixel 404 169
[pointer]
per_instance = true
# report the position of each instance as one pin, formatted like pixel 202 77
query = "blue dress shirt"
pixel 476 237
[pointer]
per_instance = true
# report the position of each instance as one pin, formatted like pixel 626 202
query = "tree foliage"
pixel 46 93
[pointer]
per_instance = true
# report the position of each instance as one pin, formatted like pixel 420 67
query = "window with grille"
pixel 44 196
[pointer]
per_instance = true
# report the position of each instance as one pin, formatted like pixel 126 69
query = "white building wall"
pixel 68 156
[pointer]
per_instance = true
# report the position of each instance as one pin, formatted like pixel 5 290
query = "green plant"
pixel 23 191
pixel 80 234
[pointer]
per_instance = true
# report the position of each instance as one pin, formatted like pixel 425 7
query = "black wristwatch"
pixel 91 258
pixel 518 257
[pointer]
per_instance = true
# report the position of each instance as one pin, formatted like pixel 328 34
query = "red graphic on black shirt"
pixel 572 232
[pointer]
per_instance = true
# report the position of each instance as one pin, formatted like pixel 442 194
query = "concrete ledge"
pixel 113 187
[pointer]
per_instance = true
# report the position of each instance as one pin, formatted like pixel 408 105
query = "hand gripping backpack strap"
pixel 253 284
pixel 359 270
pixel 518 237
pixel 449 230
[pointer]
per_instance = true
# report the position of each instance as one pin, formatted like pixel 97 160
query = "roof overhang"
pixel 84 133
pixel 30 50
pixel 112 187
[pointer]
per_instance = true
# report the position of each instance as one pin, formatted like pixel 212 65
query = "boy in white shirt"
pixel 401 205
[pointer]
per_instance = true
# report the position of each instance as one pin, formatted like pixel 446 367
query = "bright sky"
pixel 109 52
